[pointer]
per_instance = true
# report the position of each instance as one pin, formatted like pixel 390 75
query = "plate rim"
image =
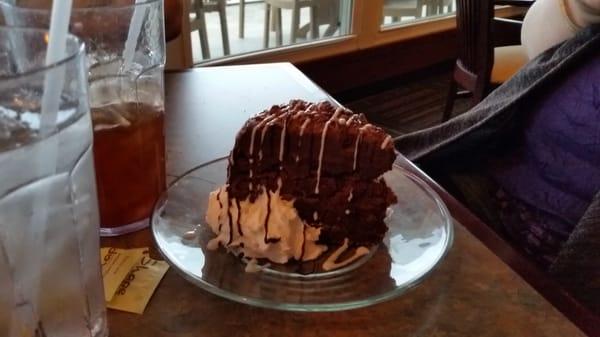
pixel 300 307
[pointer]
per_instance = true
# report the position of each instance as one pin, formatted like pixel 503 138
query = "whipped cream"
pixel 267 228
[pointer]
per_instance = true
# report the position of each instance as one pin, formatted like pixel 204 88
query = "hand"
pixel 584 12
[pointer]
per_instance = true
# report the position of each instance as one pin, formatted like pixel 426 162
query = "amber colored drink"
pixel 129 155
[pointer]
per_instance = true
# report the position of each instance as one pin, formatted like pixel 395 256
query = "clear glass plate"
pixel 420 234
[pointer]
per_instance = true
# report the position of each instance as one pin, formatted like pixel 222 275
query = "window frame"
pixel 367 31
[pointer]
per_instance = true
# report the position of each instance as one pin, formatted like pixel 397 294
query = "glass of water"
pixel 50 279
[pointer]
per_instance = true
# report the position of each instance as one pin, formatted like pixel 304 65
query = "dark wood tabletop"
pixel 482 288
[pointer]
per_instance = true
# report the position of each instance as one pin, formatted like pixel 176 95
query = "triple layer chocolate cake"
pixel 303 178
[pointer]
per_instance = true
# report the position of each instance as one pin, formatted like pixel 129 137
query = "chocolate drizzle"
pixel 230 221
pixel 220 208
pixel 239 216
pixel 266 225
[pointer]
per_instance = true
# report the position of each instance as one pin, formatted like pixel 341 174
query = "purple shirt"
pixel 552 176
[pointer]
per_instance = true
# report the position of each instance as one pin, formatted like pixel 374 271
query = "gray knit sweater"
pixel 490 124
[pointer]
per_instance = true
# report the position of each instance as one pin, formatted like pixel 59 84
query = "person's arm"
pixel 577 266
pixel 584 12
pixel 549 22
pixel 173 17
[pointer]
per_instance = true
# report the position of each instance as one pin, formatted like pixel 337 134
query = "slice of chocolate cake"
pixel 303 177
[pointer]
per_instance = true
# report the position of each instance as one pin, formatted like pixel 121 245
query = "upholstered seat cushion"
pixel 507 61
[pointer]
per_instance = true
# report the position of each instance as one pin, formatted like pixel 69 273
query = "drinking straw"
pixel 33 246
pixel 135 27
pixel 53 83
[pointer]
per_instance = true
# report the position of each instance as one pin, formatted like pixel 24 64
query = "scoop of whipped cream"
pixel 267 228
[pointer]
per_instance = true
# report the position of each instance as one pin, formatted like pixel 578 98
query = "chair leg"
pixel 303 31
pixel 202 30
pixel 242 18
pixel 481 90
pixel 331 29
pixel 267 25
pixel 449 101
pixel 278 27
pixel 295 22
pixel 224 30
pixel 314 26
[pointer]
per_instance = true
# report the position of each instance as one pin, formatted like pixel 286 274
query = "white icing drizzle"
pixel 255 128
pixel 264 130
pixel 356 149
pixel 322 150
pixel 252 136
pixel 350 196
pixel 262 139
pixel 302 128
pixel 315 216
pixel 358 138
pixel 331 263
pixel 321 105
pixel 347 211
pixel 351 119
pixel 386 141
pixel 282 142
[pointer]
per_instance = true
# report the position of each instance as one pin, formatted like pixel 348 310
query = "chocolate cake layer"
pixel 329 160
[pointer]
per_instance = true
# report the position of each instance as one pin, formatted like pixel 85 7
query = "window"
pixel 233 31
pixel 222 28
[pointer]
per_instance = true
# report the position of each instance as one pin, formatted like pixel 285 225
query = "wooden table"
pixel 473 293
pixel 517 3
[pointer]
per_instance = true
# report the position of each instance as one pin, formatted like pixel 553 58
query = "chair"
pixel 275 7
pixel 479 65
pixel 399 8
pixel 436 7
pixel 242 18
pixel 198 21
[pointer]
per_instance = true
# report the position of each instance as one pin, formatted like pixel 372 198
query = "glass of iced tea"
pixel 125 47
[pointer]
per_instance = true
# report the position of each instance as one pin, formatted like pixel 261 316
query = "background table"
pixel 473 293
